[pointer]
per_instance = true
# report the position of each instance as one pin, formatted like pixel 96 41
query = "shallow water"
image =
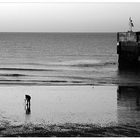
pixel 99 105
pixel 57 58
pixel 62 59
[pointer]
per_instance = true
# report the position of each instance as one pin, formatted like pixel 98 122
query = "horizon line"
pixel 54 32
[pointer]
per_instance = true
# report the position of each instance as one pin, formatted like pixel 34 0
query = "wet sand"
pixel 70 111
pixel 70 130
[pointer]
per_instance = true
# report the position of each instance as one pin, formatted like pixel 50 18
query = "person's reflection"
pixel 28 109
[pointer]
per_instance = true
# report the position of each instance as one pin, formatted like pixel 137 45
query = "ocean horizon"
pixel 57 58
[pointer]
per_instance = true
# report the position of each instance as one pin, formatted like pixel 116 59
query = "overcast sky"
pixel 68 17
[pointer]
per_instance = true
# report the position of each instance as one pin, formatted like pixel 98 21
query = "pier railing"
pixel 127 37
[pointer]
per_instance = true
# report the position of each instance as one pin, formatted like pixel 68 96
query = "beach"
pixel 75 86
pixel 70 111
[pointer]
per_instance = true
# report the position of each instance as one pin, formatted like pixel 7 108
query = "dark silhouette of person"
pixel 28 104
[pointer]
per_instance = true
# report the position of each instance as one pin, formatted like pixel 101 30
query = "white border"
pixel 64 1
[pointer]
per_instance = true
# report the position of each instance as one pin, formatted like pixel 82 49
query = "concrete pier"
pixel 128 48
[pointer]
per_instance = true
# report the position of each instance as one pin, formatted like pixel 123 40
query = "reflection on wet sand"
pixel 28 109
pixel 128 104
pixel 60 104
pixel 101 105
pixel 27 113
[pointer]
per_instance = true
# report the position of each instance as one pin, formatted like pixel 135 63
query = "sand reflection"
pixel 60 104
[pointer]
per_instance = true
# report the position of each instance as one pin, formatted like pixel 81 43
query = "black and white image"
pixel 69 69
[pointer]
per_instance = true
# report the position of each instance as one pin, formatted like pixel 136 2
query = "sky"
pixel 41 16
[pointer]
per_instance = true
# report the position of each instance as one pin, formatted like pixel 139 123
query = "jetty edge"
pixel 128 49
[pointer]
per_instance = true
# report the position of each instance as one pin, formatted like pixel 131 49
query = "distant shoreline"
pixel 69 84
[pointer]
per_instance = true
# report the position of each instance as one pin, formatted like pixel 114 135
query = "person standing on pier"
pixel 130 24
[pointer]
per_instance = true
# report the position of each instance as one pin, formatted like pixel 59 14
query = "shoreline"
pixel 45 85
pixel 70 130
pixel 91 120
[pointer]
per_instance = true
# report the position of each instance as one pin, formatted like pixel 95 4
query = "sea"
pixel 71 78
pixel 58 58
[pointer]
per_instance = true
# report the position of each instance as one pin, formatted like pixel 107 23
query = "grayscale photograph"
pixel 69 69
